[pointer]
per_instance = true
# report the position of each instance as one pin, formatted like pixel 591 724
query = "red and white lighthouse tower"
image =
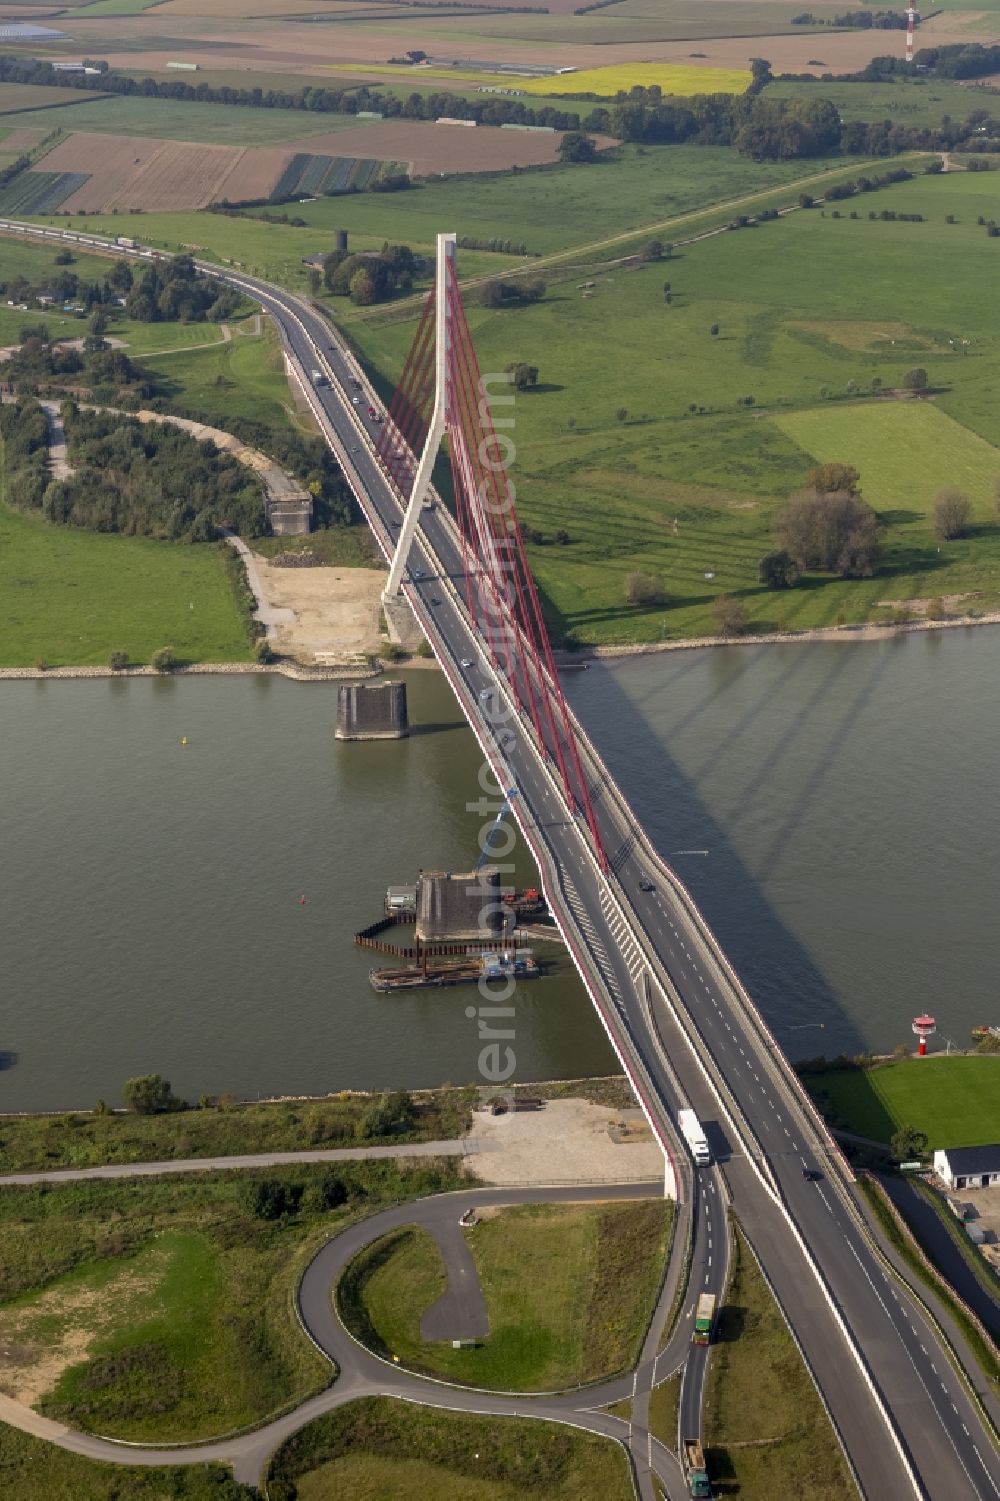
pixel 924 1027
pixel 911 26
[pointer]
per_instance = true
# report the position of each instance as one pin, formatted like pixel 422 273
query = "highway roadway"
pixel 674 1010
pixel 683 1026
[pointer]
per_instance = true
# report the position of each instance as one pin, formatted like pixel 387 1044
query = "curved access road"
pixel 359 1373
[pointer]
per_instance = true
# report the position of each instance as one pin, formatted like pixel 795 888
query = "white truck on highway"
pixel 692 1132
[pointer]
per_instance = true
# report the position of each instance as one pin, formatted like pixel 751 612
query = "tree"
pixel 952 512
pixel 165 660
pixel 714 330
pixel 730 615
pixel 577 146
pixel 915 379
pixel 491 294
pixel 835 532
pixel 825 479
pixel 150 1094
pixel 621 413
pixel 908 1144
pixel 644 589
pixel 117 660
pixel 653 251
pixel 523 377
pixel 362 288
pixel 778 570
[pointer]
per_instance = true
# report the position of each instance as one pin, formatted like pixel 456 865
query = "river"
pixel 150 889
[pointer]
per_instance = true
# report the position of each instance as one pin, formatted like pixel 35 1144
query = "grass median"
pixel 767 1433
pixel 380 1450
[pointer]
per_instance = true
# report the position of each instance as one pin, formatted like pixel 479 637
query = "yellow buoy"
pixel 184 741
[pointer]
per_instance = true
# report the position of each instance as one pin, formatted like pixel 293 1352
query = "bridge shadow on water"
pixel 790 990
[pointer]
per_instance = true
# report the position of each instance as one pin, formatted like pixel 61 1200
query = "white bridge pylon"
pixel 439 417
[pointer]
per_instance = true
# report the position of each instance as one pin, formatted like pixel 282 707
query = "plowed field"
pixel 130 172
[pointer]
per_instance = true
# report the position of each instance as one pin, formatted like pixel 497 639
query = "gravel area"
pixel 567 1141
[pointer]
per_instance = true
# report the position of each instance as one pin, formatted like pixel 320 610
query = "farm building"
pixel 968 1167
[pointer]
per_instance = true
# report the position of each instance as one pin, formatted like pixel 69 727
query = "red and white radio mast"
pixel 911 25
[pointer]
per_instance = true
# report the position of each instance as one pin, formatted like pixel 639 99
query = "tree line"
pixel 491 109
pixel 166 291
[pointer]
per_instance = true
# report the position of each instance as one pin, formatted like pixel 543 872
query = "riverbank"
pixel 870 632
pixel 300 674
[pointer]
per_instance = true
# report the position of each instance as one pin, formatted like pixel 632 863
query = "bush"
pixel 165 660
pixel 952 513
pixel 117 660
pixel 730 615
pixel 915 380
pixel 644 589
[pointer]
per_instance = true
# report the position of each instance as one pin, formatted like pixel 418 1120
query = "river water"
pixel 150 891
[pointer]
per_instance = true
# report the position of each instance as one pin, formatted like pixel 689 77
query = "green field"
pixel 71 597
pixel 31 97
pixel 921 102
pixel 953 1100
pixel 569 1290
pixel 35 1470
pixel 380 1450
pixel 554 207
pixel 245 377
pixel 807 311
pixel 906 453
pixel 181 120
pixel 766 1433
pixel 164 1310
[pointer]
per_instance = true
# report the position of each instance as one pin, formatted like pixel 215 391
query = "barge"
pixel 520 964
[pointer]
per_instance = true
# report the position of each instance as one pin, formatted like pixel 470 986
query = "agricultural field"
pixel 16 97
pixel 569 1290
pixel 377 1449
pixel 178 120
pixel 96 173
pixel 922 102
pixel 615 456
pixel 953 1100
pixel 559 206
pixel 670 78
pixel 33 193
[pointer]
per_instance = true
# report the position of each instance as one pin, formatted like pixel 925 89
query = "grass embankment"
pixel 344 547
pixel 34 1470
pixel 664 1404
pixel 245 377
pixel 380 1450
pixel 984 1353
pixel 812 312
pixel 953 1100
pixel 162 1309
pixel 46 1142
pixel 766 1431
pixel 569 1291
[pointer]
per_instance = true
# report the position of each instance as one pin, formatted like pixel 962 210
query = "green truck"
pixel 704 1318
pixel 693 1460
